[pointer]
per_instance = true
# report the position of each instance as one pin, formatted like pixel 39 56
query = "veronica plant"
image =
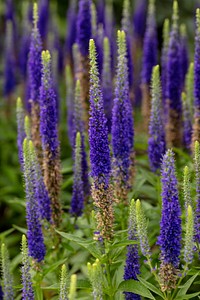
pixel 196 129
pixel 156 142
pixel 63 284
pixel 20 130
pixel 34 78
pixel 36 245
pixel 27 288
pixel 79 126
pixel 84 33
pixel 7 277
pixel 49 137
pixel 174 121
pixel 122 127
pixel 164 58
pixel 132 266
pixel 149 59
pixel 107 88
pixel 99 152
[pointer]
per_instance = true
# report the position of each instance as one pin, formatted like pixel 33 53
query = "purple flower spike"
pixel 71 29
pixel 34 60
pixel 9 67
pixel 43 18
pixel 197 175
pixel 107 86
pixel 36 245
pixel 164 57
pixel 98 131
pixel 122 125
pixel 79 126
pixel 150 51
pixel 156 142
pixel 27 286
pixel 49 137
pixel 170 225
pixel 70 104
pixel 132 267
pixel 196 126
pixel 41 193
pixel 139 19
pixel 126 27
pixel 77 202
pixel 20 130
pixel 1 293
pixel 187 122
pixel 173 133
pixel 99 152
pixel 184 55
pixel 84 27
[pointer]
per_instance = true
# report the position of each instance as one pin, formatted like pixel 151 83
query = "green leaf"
pixel 183 289
pixel 151 287
pixel 54 266
pixel 123 243
pixel 38 293
pixel 81 284
pixel 20 229
pixel 6 232
pixel 136 287
pixel 189 296
pixel 89 245
pixel 54 286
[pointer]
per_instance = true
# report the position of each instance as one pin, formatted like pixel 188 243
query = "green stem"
pixel 153 271
pixel 180 280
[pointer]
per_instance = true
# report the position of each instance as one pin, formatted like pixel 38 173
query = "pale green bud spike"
pixel 189 87
pixel 142 230
pixel 183 31
pixel 121 38
pixel 55 64
pixel 186 188
pixel 106 47
pixel 78 141
pixel 183 97
pixel 78 108
pixel 7 278
pixel 46 63
pixel 9 34
pixel 72 289
pixel 197 152
pixel 19 103
pixel 27 127
pixel 35 15
pixel 94 74
pixel 76 58
pixel 96 278
pixel 26 275
pixel 106 58
pixel 189 236
pixel 63 284
pixel 24 247
pixel 94 19
pixel 156 93
pixel 156 86
pixel 25 151
pixel 175 15
pixel 166 31
pixel 132 217
pixel 46 57
pixel 151 8
pixel 198 21
pixel 126 16
pixel 69 78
